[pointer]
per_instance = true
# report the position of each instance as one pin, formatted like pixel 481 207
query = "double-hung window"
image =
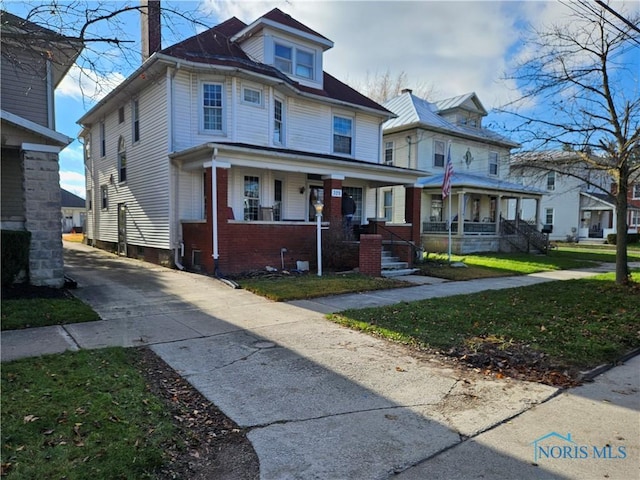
pixel 122 160
pixel 342 135
pixel 388 204
pixel 304 64
pixel 548 216
pixel 438 153
pixel 551 181
pixel 251 197
pixel 635 189
pixel 103 140
pixel 388 153
pixel 212 107
pixel 278 122
pixel 283 58
pixel 493 163
pixel 135 120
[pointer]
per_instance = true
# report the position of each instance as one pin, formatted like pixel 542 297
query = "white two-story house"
pixel 421 137
pixel 213 153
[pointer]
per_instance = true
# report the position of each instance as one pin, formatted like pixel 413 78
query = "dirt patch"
pixel 494 356
pixel 209 444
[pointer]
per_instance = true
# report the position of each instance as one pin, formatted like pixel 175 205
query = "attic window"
pixel 293 60
pixel 304 64
pixel 283 58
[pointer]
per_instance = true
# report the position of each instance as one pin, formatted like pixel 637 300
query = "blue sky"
pixel 449 48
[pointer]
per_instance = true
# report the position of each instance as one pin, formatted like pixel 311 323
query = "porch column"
pixel 412 210
pixel 498 212
pixel 538 201
pixel 461 200
pixel 518 200
pixel 332 212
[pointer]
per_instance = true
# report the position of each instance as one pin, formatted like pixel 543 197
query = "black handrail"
pixel 415 249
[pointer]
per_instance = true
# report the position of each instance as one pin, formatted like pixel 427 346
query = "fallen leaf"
pixel 400 369
pixel 30 418
pixel 48 432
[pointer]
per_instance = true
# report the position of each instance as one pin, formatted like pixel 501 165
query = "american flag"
pixel 448 174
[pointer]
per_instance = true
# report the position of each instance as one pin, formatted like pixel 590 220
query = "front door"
pixel 122 229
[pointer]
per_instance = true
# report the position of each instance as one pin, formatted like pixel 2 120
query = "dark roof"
pixel 279 16
pixel 214 47
pixel 70 200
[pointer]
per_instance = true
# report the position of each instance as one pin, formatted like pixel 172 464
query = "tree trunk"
pixel 622 267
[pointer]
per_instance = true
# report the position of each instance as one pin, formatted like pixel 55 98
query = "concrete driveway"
pixel 325 402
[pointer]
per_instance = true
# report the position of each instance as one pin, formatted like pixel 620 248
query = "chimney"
pixel 150 27
pixel 406 90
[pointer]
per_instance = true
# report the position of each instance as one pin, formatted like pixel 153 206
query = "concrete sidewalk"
pixel 322 401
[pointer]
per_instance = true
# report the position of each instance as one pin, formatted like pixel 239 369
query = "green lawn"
pixel 81 415
pixel 579 323
pixel 311 286
pixel 40 312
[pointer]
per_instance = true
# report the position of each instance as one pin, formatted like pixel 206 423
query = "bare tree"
pixel 381 87
pixel 97 28
pixel 583 73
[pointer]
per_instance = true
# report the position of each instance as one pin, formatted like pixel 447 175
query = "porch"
pixel 263 214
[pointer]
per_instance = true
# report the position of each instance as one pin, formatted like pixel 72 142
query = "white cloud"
pixel 85 84
pixel 73 182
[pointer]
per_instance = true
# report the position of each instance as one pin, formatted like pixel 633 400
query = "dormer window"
pixel 283 58
pixel 293 60
pixel 304 64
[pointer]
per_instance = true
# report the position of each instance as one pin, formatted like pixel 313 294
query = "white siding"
pixel 146 191
pixel 252 125
pixel 309 126
pixel 185 118
pixel 254 48
pixel 367 138
pixel 190 195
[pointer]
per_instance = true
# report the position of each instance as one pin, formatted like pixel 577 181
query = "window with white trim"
pixel 212 106
pixel 252 96
pixel 135 120
pixel 548 216
pixel 89 200
pixel 121 115
pixel 103 140
pixel 634 218
pixel 304 64
pixel 122 160
pixel 388 153
pixel 104 196
pixel 635 191
pixel 551 181
pixel 283 58
pixel 493 163
pixel 387 204
pixel 342 135
pixel 251 197
pixel 438 153
pixel 278 122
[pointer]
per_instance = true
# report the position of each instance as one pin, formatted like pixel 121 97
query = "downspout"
pixel 214 212
pixel 178 245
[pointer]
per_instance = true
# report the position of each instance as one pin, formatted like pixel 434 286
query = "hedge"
pixel 631 238
pixel 15 254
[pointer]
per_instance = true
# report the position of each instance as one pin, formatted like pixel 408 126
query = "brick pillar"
pixel 43 215
pixel 412 213
pixel 370 255
pixel 332 212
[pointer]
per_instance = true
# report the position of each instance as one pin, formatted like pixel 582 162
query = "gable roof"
pixel 461 101
pixel 71 200
pixel 414 112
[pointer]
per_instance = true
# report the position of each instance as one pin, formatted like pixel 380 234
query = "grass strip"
pixel 578 323
pixel 81 415
pixel 283 289
pixel 41 312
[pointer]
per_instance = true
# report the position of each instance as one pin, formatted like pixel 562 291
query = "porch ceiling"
pixel 268 158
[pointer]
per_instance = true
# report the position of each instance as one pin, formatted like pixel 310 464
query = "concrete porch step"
pixel 394 265
pixel 398 272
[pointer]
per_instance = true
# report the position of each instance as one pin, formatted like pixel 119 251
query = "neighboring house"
pixel 421 137
pixel 34 61
pixel 74 211
pixel 574 208
pixel 253 102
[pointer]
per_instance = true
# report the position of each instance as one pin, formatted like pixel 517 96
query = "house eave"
pixel 298 161
pixel 451 133
pixel 58 138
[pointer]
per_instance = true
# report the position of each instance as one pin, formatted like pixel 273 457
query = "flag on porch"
pixel 448 174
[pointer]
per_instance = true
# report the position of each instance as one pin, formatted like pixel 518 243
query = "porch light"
pixel 319 206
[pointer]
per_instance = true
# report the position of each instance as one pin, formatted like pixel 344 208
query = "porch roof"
pixel 287 160
pixel 460 180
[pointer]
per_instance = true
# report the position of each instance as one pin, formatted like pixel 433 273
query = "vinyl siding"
pixel 146 191
pixel 12 190
pixel 252 124
pixel 24 89
pixel 367 138
pixel 190 196
pixel 309 126
pixel 254 48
